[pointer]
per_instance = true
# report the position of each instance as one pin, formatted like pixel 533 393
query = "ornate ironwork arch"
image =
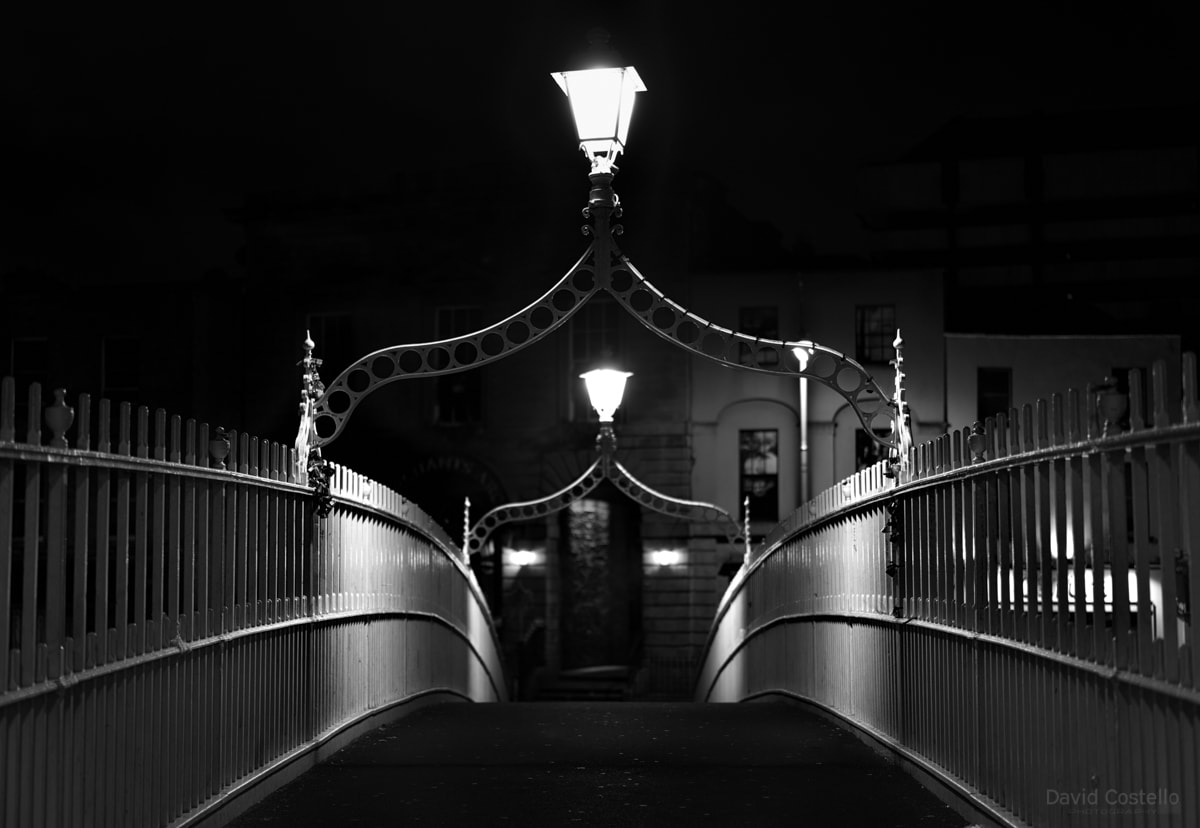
pixel 602 267
pixel 603 467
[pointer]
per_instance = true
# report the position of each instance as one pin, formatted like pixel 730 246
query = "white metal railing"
pixel 941 612
pixel 173 632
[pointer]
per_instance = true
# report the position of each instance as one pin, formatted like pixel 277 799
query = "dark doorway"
pixel 601 580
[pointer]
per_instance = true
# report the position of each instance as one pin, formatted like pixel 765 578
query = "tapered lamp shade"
pixel 602 103
pixel 605 388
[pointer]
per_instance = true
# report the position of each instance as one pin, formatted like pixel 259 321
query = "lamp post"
pixel 605 387
pixel 802 354
pixel 601 101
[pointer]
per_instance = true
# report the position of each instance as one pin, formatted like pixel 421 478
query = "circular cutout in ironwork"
pixel 821 365
pixel 875 415
pixel 564 300
pixel 517 332
pixel 765 349
pixel 410 362
pixel 713 344
pixel 382 367
pixel 541 318
pixel 326 426
pixel 869 406
pixel 849 380
pixel 492 344
pixel 687 332
pixel 641 300
pixel 583 280
pixel 490 521
pixel 438 358
pixel 465 353
pixel 358 381
pixel 622 280
pixel 663 317
pixel 527 511
pixel 338 402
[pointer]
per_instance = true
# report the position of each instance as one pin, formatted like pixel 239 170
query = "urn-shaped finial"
pixel 59 417
pixel 218 446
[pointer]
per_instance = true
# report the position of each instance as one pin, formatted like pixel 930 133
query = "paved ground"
pixel 609 764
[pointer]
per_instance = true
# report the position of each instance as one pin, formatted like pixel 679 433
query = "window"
pixel 459 396
pixel 594 339
pixel 28 361
pixel 119 368
pixel 759 467
pixel 993 392
pixel 762 322
pixel 874 333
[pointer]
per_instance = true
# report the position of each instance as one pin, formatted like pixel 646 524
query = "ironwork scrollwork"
pixel 603 267
pixel 603 467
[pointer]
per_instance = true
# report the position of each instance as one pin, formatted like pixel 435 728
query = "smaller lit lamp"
pixel 602 103
pixel 605 387
pixel 523 557
pixel 802 354
pixel 666 557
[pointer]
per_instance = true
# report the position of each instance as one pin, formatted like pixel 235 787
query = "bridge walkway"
pixel 607 764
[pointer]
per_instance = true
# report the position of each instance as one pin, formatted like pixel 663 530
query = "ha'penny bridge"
pixel 994 627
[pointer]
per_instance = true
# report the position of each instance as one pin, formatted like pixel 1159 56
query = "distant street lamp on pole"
pixel 802 354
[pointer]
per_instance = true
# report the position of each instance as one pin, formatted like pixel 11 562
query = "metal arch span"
pixel 681 327
pixel 530 509
pixel 333 408
pixel 603 467
pixel 603 267
pixel 674 506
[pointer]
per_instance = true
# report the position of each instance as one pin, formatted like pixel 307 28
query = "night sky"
pixel 127 135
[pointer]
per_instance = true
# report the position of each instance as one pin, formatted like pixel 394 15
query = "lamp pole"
pixel 802 355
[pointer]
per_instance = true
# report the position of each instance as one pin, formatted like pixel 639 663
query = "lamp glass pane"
pixel 630 86
pixel 605 388
pixel 595 96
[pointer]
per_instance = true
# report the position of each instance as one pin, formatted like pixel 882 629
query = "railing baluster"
pixel 175 535
pixel 141 534
pixel 29 557
pixel 1044 531
pixel 158 632
pixel 205 539
pixel 1146 619
pixel 56 567
pixel 7 492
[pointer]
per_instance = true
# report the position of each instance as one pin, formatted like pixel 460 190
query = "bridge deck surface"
pixel 606 764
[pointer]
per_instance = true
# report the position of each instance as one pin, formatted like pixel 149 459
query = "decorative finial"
pixel 466 530
pixel 977 442
pixel 59 417
pixel 901 425
pixel 311 390
pixel 746 530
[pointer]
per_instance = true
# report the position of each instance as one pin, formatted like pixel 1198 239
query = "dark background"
pixel 127 133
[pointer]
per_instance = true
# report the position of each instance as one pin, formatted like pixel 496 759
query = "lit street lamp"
pixel 605 387
pixel 601 101
pixel 802 354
